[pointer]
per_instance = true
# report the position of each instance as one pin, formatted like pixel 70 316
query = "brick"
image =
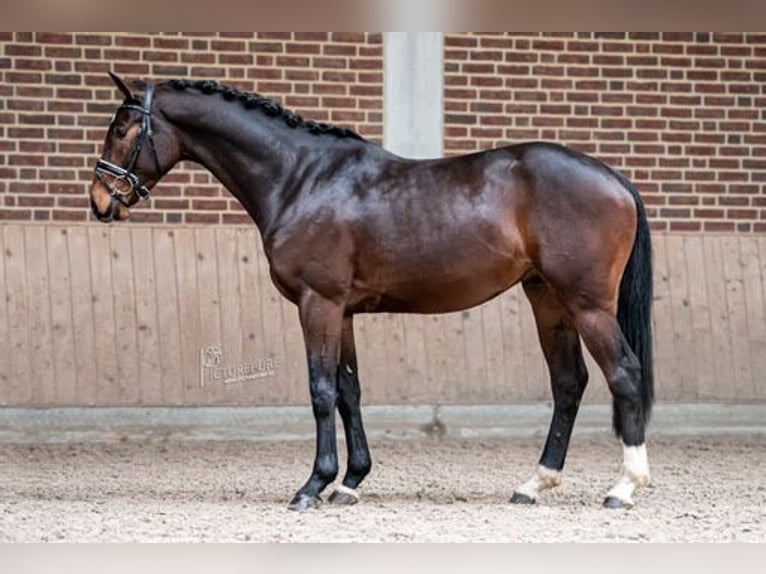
pixel 352 37
pixel 365 64
pixel 685 225
pixel 581 46
pixel 53 38
pixel 22 50
pixel 683 114
pixel 94 39
pixel 337 89
pixel 192 217
pixel 337 63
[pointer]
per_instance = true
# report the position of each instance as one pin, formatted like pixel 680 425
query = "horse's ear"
pixel 121 85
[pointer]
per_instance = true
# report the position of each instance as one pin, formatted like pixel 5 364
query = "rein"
pixel 127 174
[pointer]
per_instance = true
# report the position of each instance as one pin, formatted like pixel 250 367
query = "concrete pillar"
pixel 413 93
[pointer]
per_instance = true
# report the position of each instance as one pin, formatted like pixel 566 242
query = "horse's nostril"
pixel 104 218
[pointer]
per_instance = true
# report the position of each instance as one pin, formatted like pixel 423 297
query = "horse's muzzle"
pixel 111 211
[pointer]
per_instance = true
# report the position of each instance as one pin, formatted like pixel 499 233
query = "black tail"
pixel 634 308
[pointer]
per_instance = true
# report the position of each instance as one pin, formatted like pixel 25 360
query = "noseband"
pixel 127 173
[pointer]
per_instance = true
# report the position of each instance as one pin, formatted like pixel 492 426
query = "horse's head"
pixel 139 149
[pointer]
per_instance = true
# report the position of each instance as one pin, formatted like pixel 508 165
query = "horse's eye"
pixel 120 131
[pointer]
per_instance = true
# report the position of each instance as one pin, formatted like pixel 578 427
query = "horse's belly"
pixel 440 285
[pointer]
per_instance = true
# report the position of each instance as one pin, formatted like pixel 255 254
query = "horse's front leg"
pixel 321 321
pixel 349 396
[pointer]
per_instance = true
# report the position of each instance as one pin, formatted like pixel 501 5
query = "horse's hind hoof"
pixel 344 496
pixel 519 498
pixel 615 503
pixel 303 502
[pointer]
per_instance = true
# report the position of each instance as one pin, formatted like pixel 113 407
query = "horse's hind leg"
pixel 359 462
pixel 561 347
pixel 604 338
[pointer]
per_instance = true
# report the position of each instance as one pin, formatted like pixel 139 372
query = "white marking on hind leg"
pixel 343 489
pixel 544 479
pixel 635 474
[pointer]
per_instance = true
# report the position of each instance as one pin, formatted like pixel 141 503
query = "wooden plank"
pixel 455 375
pixel 188 314
pixel 372 374
pixel 735 298
pixel 227 255
pixel 475 383
pixel 82 315
pixel 294 366
pixel 17 383
pixel 62 335
pixel 274 338
pixel 123 287
pixel 392 383
pixel 5 359
pixel 250 293
pixel 107 389
pixel 396 355
pixel 414 348
pixel 42 373
pixel 536 382
pixel 759 365
pixel 209 304
pixel 230 310
pixel 756 319
pixel 513 352
pixel 376 380
pixel 253 343
pixel 147 329
pixel 667 372
pixel 168 322
pixel 436 356
pixel 59 294
pixel 719 317
pixel 502 387
pixel 493 352
pixel 683 336
pixel 699 305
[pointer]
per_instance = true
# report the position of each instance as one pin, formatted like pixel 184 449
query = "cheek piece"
pixel 127 174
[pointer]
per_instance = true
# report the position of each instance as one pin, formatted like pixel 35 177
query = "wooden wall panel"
pixel 122 315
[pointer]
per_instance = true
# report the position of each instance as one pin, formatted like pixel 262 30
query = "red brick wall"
pixel 56 101
pixel 682 114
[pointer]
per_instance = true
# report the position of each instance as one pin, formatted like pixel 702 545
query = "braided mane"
pixel 252 100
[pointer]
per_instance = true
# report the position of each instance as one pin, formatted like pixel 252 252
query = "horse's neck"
pixel 251 154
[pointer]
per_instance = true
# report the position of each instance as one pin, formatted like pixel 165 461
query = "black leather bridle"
pixel 127 174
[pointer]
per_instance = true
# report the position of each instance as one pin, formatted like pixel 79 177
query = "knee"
pixel 326 468
pixel 324 396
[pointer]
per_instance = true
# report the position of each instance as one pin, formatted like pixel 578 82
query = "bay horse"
pixel 348 228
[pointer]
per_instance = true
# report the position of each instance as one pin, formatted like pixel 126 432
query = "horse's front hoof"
pixel 519 498
pixel 344 496
pixel 614 503
pixel 303 502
